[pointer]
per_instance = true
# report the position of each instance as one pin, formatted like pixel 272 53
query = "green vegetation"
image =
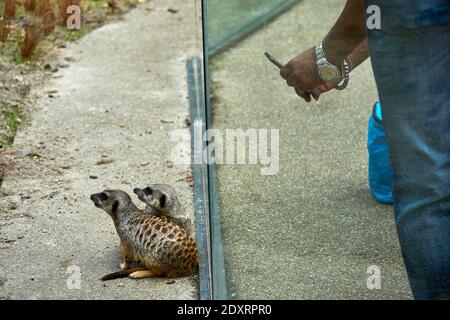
pixel 72 35
pixel 94 14
pixel 10 51
pixel 12 119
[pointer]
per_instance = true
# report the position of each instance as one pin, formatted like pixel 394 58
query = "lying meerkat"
pixel 162 247
pixel 162 200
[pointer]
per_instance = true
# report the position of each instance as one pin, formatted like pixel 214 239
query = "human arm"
pixel 348 32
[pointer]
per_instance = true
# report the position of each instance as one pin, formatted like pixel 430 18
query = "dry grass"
pixel 4 31
pixel 33 33
pixel 10 10
pixel 29 5
pixel 15 36
pixel 47 15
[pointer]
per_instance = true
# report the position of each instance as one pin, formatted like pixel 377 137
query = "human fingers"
pixel 303 94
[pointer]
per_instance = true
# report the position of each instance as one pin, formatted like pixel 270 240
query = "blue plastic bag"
pixel 380 170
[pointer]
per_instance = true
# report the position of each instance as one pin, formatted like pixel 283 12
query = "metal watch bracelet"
pixel 346 73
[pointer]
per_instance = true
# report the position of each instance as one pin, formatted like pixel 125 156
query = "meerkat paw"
pixel 124 265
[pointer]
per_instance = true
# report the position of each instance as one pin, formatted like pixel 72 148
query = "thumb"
pixel 285 71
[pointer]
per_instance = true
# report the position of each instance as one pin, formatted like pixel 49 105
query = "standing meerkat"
pixel 162 200
pixel 162 247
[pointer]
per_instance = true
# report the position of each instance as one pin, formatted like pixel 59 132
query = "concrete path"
pixel 312 230
pixel 110 117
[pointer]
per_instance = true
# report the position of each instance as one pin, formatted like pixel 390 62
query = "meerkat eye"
pixel 148 190
pixel 103 196
pixel 162 201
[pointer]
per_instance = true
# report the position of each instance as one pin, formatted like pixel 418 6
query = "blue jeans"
pixel 410 58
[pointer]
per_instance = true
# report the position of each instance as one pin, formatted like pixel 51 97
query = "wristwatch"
pixel 329 72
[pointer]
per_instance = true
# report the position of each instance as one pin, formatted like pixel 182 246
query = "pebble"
pixel 24 197
pixel 104 161
pixel 252 270
pixel 27 152
pixel 171 281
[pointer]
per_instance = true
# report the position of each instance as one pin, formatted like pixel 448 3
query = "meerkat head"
pixel 155 198
pixel 112 201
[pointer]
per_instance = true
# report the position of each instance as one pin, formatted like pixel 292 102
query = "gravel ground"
pixel 102 122
pixel 16 82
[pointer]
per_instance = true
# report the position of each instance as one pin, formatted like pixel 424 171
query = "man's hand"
pixel 301 74
pixel 347 33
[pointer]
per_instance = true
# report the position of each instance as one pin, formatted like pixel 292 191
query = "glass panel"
pixel 228 21
pixel 312 228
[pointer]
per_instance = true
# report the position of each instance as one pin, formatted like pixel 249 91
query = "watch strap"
pixel 322 59
pixel 346 75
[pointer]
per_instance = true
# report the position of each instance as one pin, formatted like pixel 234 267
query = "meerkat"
pixel 162 247
pixel 162 200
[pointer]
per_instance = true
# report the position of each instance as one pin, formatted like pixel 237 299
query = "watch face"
pixel 328 73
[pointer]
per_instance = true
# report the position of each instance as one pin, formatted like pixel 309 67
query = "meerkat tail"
pixel 121 274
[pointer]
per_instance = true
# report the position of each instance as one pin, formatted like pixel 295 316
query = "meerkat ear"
pixel 115 206
pixel 162 201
